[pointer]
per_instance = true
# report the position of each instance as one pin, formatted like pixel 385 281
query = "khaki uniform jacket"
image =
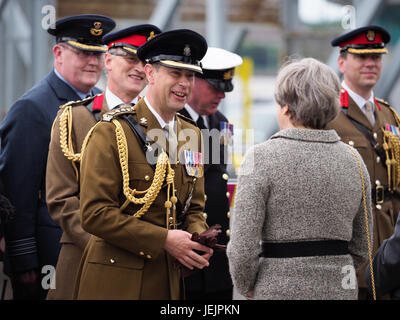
pixel 62 196
pixel 385 215
pixel 125 258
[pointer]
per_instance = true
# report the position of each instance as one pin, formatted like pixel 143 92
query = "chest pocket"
pixel 141 176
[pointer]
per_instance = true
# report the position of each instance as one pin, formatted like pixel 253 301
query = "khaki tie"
pixel 369 111
pixel 172 141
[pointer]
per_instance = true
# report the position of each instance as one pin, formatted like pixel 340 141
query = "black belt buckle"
pixel 380 194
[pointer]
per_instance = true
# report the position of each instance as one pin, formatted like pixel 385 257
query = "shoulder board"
pixel 387 104
pixel 127 109
pixel 186 118
pixel 79 102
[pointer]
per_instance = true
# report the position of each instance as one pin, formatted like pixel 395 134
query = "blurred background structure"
pixel 264 32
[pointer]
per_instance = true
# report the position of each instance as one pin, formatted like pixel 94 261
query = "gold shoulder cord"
pixel 391 145
pixel 66 137
pixel 163 168
pixel 366 222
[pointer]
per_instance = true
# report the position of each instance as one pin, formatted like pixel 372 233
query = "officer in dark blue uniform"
pixel 32 238
pixel 218 66
pixel 386 266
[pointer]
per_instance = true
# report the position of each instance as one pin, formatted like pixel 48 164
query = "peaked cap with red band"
pixel 365 40
pixel 130 39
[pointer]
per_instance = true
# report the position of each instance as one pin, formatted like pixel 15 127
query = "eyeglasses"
pixel 84 54
pixel 133 59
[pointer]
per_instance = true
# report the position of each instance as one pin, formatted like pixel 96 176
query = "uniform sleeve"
pixel 62 190
pixel 101 186
pixel 24 147
pixel 358 245
pixel 247 221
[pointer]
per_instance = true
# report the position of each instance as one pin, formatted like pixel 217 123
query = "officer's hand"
pixel 179 245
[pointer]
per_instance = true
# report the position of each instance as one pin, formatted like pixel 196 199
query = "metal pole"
pixel 163 13
pixel 216 23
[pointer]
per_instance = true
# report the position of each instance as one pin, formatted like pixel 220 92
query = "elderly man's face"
pixel 80 68
pixel 361 71
pixel 205 99
pixel 125 73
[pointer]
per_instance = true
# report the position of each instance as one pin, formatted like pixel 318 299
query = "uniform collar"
pixel 360 101
pixel 194 115
pixel 113 101
pixel 80 94
pixel 158 117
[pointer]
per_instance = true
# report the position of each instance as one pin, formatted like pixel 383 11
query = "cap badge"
pixel 96 31
pixel 151 36
pixel 186 51
pixel 228 75
pixel 371 35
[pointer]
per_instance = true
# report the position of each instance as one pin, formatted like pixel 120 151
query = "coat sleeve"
pixel 24 147
pixel 247 221
pixel 62 190
pixel 358 245
pixel 101 186
pixel 386 266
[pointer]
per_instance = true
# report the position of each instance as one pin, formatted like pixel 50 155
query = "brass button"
pixel 378 159
pixel 147 178
pixel 228 214
pixel 228 194
pixel 375 135
pixel 205 215
pixel 205 197
pixel 351 143
pixel 112 260
pixel 141 253
pixel 377 182
pixel 228 233
pixel 378 206
pixel 148 256
pixel 225 176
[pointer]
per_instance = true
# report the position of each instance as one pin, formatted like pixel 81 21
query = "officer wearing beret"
pixel 126 79
pixel 210 87
pixel 32 237
pixel 369 124
pixel 142 185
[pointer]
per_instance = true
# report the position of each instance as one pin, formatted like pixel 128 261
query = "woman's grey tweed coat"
pixel 300 185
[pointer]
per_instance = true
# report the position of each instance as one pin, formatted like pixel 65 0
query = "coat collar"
pixel 310 135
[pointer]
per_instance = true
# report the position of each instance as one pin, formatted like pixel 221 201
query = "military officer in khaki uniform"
pixel 368 124
pixel 126 79
pixel 142 185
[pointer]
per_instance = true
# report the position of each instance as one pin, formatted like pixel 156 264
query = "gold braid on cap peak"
pixel 391 145
pixel 163 171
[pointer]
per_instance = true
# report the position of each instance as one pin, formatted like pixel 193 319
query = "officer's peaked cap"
pixel 130 39
pixel 181 49
pixel 364 40
pixel 84 31
pixel 218 68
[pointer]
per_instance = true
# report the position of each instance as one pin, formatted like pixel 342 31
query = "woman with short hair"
pixel 300 196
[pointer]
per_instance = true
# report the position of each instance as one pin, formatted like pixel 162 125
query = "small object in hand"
pixel 207 238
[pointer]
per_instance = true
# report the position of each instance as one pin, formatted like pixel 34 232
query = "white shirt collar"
pixel 195 115
pixel 113 100
pixel 360 101
pixel 158 117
